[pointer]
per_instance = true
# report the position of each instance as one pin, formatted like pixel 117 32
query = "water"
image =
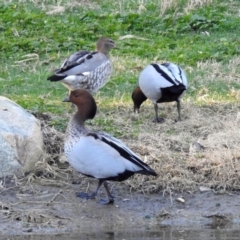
pixel 164 233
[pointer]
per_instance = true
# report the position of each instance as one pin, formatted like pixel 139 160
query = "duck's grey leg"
pixel 110 197
pixel 94 193
pixel 91 195
pixel 179 110
pixel 157 119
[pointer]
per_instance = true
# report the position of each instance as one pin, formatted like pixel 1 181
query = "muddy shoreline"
pixel 44 209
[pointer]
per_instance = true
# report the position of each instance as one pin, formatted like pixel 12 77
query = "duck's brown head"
pixel 138 98
pixel 104 45
pixel 85 103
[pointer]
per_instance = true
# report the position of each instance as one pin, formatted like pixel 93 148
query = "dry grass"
pixel 168 147
pixel 188 6
pixel 201 150
pixel 165 5
pixel 53 7
pixel 53 165
pixel 193 4
pixel 58 7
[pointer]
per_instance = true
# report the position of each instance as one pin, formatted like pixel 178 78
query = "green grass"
pixel 183 34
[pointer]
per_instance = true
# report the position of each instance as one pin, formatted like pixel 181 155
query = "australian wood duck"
pixel 98 154
pixel 164 82
pixel 87 70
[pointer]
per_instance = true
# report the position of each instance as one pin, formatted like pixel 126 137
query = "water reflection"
pixel 159 234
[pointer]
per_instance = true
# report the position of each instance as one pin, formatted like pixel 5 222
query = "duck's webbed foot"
pixel 106 202
pixel 110 196
pixel 94 194
pixel 178 120
pixel 158 120
pixel 86 195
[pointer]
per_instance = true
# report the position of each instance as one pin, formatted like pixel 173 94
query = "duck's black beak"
pixel 66 99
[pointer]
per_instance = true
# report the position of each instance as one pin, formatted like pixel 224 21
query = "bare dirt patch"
pixel 197 160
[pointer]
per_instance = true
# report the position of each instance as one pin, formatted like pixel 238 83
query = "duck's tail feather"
pixel 56 77
pixel 148 171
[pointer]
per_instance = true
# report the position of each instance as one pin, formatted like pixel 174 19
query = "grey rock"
pixel 21 139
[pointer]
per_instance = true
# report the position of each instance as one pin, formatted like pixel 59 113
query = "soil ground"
pixel 43 209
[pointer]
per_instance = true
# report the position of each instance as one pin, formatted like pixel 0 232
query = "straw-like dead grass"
pixel 193 4
pixel 52 7
pixel 52 166
pixel 165 5
pixel 201 150
pixel 188 6
pixel 215 164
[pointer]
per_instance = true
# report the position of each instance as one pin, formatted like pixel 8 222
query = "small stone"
pixel 181 200
pixel 196 147
pixel 204 189
pixel 28 230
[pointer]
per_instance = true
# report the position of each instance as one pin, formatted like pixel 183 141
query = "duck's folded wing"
pixel 176 72
pixel 165 76
pixel 124 151
pixel 72 61
pixel 86 63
